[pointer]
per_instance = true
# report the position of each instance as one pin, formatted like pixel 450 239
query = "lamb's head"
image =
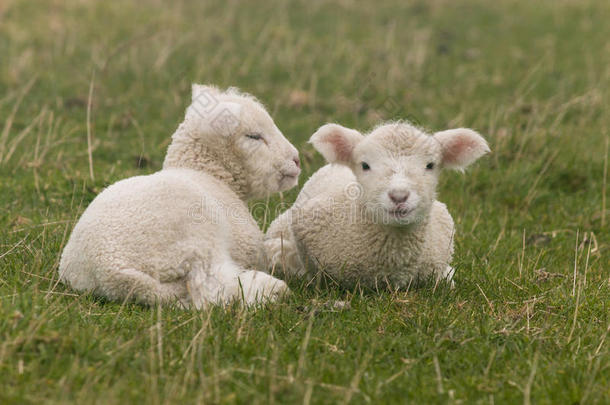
pixel 397 165
pixel 231 135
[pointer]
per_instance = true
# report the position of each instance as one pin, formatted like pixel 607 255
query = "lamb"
pixel 370 217
pixel 184 235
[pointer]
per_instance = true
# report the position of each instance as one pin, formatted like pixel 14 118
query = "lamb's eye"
pixel 430 166
pixel 365 166
pixel 256 137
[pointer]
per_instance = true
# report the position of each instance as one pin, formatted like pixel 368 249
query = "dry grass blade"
pixel 604 182
pixel 353 387
pixel 89 135
pixel 527 391
pixel 15 142
pixel 9 121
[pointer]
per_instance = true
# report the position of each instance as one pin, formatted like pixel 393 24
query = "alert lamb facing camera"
pixel 371 216
pixel 184 234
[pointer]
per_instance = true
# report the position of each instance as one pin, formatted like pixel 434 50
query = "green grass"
pixel 529 318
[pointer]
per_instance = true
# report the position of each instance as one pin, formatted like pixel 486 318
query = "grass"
pixel 90 93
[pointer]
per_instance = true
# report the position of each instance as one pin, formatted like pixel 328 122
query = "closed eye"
pixel 256 137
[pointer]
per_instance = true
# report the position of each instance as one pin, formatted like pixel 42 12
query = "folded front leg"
pixel 224 282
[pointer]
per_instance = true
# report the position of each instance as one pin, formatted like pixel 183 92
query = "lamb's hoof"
pixel 260 287
pixel 447 276
pixel 284 258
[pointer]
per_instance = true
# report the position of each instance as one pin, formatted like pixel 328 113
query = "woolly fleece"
pixel 371 217
pixel 185 235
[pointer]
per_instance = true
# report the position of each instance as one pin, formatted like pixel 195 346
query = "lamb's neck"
pixel 191 154
pixel 415 230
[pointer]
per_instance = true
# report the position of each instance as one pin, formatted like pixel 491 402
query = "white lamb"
pixel 371 215
pixel 185 234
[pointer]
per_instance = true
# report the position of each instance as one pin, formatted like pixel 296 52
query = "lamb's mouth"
pixel 400 212
pixel 288 176
pixel 288 179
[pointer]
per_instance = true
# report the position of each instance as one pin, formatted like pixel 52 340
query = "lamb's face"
pixel 397 165
pixel 270 162
pixel 239 132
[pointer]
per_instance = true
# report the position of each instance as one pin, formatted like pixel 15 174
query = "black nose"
pixel 398 197
pixel 297 162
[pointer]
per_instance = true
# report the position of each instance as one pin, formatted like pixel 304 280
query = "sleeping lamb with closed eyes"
pixel 184 234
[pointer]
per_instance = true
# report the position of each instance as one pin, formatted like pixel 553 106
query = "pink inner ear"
pixel 454 152
pixel 341 145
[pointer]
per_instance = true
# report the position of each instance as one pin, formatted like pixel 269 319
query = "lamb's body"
pixel 185 234
pixel 327 230
pixel 371 216
pixel 146 233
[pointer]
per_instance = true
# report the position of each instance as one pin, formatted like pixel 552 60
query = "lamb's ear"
pixel 225 119
pixel 201 90
pixel 461 147
pixel 210 115
pixel 336 143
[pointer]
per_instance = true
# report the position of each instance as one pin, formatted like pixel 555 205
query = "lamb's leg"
pixel 226 281
pixel 281 249
pixel 258 286
pixel 133 285
pixel 446 275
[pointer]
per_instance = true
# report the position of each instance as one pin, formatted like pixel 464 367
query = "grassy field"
pixel 529 318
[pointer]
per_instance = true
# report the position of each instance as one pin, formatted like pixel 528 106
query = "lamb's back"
pixel 329 182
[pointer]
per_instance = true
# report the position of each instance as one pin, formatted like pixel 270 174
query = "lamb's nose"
pixel 398 197
pixel 297 162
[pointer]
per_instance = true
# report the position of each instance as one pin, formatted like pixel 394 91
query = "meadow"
pixel 90 93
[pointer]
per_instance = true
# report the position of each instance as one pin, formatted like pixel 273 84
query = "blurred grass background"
pixel 528 320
